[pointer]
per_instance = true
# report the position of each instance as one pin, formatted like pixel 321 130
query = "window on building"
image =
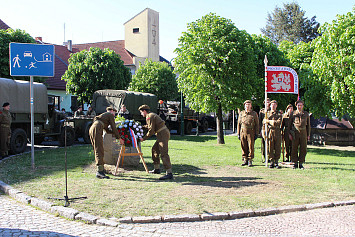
pixel 135 30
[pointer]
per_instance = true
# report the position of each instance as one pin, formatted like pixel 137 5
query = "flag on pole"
pixel 133 138
pixel 281 79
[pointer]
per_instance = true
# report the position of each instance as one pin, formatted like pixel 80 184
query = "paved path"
pixel 17 219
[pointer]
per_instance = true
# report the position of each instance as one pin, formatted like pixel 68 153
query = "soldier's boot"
pixel 272 165
pixel 245 162
pixel 277 166
pixel 250 163
pixel 155 171
pixel 301 166
pixel 167 176
pixel 295 165
pixel 101 175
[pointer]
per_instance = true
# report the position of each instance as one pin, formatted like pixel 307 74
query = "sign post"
pixel 31 60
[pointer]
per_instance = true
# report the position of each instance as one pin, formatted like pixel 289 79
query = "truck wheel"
pixel 18 141
pixel 86 135
pixel 70 136
pixel 188 128
pixel 204 126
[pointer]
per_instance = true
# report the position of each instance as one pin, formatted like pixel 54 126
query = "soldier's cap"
pixel 111 108
pixel 273 101
pixel 6 104
pixel 289 106
pixel 247 101
pixel 144 107
pixel 299 101
pixel 268 99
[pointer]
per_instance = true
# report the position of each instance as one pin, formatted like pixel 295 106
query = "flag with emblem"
pixel 281 79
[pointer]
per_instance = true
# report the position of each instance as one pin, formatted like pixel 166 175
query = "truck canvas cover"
pixel 17 93
pixel 115 98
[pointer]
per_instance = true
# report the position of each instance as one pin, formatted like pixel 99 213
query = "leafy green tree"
pixel 6 37
pixel 156 78
pixel 334 62
pixel 263 46
pixel 312 91
pixel 216 66
pixel 93 70
pixel 290 23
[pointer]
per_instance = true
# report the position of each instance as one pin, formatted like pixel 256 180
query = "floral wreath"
pixel 129 130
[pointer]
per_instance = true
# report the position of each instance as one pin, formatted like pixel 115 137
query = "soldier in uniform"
pixel 247 131
pixel 272 122
pixel 100 123
pixel 156 125
pixel 79 112
pixel 5 130
pixel 285 131
pixel 261 126
pixel 300 129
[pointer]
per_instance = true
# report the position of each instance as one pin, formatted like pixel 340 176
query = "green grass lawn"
pixel 207 178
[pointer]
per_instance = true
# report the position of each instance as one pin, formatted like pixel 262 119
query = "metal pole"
pixel 182 116
pixel 266 140
pixel 233 121
pixel 32 124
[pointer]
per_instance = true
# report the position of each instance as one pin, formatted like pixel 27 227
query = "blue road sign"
pixel 31 60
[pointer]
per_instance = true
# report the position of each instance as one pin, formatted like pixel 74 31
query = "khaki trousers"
pixel 288 144
pixel 247 143
pixel 161 148
pixel 97 141
pixel 299 142
pixel 274 148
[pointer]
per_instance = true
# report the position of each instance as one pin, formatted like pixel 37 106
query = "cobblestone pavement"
pixel 17 219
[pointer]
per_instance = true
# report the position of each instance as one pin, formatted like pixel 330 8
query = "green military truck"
pixel 169 111
pixel 48 122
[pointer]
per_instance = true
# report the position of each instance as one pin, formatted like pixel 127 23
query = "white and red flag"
pixel 281 79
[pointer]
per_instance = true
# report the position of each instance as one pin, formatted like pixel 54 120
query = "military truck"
pixel 169 111
pixel 48 122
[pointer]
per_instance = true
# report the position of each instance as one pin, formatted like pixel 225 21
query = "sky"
pixel 89 21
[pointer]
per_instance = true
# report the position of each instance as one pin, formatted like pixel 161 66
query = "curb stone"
pixel 73 214
pixel 87 218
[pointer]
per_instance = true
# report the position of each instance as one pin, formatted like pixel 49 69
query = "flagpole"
pixel 265 102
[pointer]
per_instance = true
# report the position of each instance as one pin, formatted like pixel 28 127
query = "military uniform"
pixel 156 125
pixel 300 128
pixel 262 129
pixel 5 132
pixel 286 131
pixel 247 129
pixel 273 122
pixel 100 123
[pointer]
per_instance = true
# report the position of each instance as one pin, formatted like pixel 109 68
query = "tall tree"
pixel 6 37
pixel 93 70
pixel 290 23
pixel 156 78
pixel 216 66
pixel 263 46
pixel 334 62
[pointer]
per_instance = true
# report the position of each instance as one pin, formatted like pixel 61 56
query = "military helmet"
pixel 144 107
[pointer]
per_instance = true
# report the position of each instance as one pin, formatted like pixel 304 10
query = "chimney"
pixel 70 45
pixel 38 39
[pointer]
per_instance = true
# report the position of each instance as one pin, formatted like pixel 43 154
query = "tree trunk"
pixel 220 136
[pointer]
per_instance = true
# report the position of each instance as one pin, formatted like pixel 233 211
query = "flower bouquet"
pixel 130 131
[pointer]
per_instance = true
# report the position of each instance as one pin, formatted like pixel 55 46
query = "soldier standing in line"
pixel 300 132
pixel 247 131
pixel 285 131
pixel 5 130
pixel 101 122
pixel 156 125
pixel 262 127
pixel 272 121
